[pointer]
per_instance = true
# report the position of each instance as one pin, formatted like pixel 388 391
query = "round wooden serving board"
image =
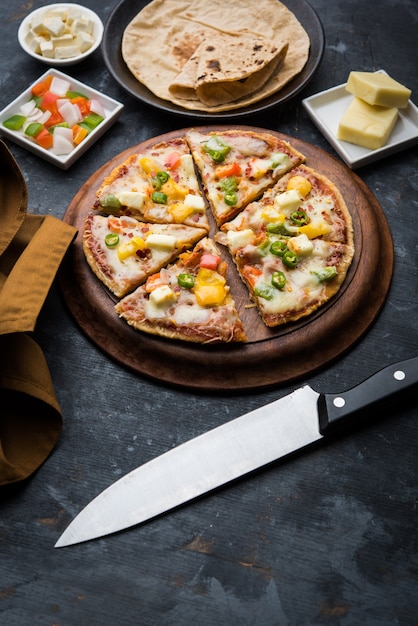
pixel 271 356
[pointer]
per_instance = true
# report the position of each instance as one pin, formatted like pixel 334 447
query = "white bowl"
pixel 25 27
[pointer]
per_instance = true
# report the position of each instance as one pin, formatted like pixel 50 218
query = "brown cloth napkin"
pixel 31 250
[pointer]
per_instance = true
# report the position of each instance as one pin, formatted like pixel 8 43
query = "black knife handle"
pixel 340 409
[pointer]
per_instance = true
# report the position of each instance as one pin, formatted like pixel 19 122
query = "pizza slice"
pixel 188 300
pixel 237 166
pixel 307 202
pixel 157 185
pixel 293 247
pixel 122 252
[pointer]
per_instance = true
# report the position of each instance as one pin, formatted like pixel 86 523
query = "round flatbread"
pixel 226 68
pixel 163 37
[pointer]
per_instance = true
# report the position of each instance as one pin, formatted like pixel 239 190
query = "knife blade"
pixel 231 451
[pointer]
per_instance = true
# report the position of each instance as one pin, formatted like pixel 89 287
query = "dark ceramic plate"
pixel 126 10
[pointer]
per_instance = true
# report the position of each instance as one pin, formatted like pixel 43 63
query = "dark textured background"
pixel 326 538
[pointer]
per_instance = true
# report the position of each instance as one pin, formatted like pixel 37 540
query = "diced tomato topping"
pixel 44 139
pixel 231 169
pixel 114 224
pixel 173 161
pixel 251 274
pixel 49 101
pixel 55 118
pixel 210 261
pixel 118 224
pixel 153 282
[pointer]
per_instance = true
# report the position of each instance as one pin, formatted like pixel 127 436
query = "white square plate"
pixel 112 108
pixel 326 109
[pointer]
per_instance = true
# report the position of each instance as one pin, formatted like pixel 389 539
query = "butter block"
pixel 378 89
pixel 366 125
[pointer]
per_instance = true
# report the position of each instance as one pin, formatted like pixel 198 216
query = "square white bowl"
pixel 112 109
pixel 326 110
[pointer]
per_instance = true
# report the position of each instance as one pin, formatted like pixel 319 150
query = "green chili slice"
pixel 300 217
pixel 159 180
pixel 112 240
pixel 278 247
pixel 327 273
pixel 290 259
pixel 278 280
pixel 186 280
pixel 159 197
pixel 231 198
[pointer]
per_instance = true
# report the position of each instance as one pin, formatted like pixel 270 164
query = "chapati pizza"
pixel 288 235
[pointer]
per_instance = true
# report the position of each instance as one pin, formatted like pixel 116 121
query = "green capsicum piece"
pixel 327 273
pixel 216 148
pixel 15 122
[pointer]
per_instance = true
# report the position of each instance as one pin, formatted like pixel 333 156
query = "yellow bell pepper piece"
pixel 129 248
pixel 149 166
pixel 139 243
pixel 271 215
pixel 300 184
pixel 209 288
pixel 174 191
pixel 180 212
pixel 313 230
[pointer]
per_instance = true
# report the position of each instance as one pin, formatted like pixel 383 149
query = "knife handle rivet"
pixel 339 402
pixel 399 375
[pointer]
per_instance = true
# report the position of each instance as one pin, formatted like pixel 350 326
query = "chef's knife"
pixel 232 450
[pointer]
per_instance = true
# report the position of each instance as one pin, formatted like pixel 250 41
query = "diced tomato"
pixel 114 224
pixel 48 102
pixel 209 261
pixel 153 282
pixel 54 119
pixel 42 87
pixel 251 273
pixel 44 139
pixel 231 169
pixel 173 161
pixel 83 105
pixel 119 224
